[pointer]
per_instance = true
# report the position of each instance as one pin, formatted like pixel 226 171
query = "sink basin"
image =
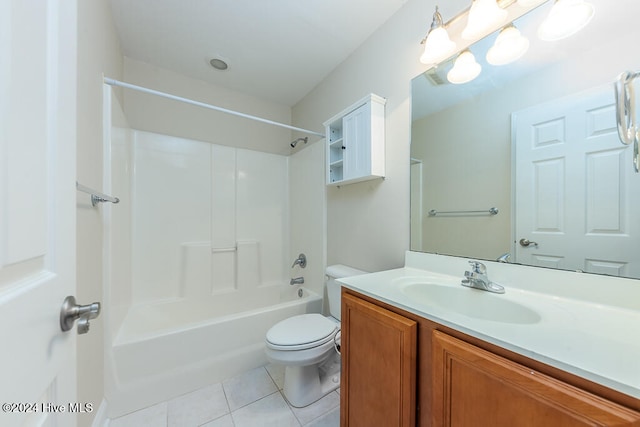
pixel 470 302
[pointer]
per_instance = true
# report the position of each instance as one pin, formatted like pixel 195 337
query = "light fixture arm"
pixel 437 19
pixel 435 23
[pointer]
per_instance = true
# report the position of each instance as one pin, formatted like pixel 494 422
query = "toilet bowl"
pixel 305 344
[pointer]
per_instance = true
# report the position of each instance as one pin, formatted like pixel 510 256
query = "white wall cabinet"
pixel 355 142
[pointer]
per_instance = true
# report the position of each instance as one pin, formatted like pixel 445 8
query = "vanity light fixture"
pixel 465 68
pixel 484 16
pixel 566 18
pixel 509 46
pixel 437 44
pixel 528 3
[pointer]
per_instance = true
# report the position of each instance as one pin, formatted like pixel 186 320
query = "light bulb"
pixel 509 46
pixel 484 16
pixel 465 68
pixel 437 46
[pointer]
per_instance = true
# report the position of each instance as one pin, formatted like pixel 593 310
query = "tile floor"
pixel 252 399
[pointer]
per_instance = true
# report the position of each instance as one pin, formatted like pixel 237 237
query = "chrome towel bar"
pixel 491 211
pixel 96 196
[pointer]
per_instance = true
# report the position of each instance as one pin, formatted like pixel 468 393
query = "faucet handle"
pixel 301 261
pixel 478 267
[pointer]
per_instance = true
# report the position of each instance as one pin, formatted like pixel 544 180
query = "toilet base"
pixel 304 385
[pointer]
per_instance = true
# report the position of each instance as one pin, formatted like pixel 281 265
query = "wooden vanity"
pixel 402 369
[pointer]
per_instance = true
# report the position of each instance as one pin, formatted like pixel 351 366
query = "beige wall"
pixel 368 222
pixel 463 171
pixel 169 117
pixel 98 53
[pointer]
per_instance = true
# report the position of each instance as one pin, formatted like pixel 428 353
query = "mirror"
pixel 536 140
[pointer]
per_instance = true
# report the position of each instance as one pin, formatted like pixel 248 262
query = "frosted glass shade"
pixel 464 69
pixel 508 47
pixel 566 18
pixel 484 16
pixel 528 3
pixel 437 47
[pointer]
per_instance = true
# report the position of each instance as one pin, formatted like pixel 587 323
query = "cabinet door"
pixel 357 142
pixel 378 366
pixel 473 387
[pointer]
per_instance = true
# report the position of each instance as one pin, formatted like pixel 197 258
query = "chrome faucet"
pixel 296 281
pixel 301 261
pixel 477 278
pixel 506 257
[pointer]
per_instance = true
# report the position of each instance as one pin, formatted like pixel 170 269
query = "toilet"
pixel 305 344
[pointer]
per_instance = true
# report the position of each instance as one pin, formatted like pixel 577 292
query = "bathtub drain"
pixel 300 293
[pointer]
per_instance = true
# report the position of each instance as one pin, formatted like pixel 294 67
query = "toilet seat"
pixel 301 332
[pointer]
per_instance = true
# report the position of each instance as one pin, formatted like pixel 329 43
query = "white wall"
pixel 98 53
pixel 308 219
pixel 368 223
pixel 190 197
pixel 307 228
pixel 168 117
pixel 117 219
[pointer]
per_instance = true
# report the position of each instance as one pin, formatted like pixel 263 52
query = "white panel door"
pixel 574 186
pixel 37 210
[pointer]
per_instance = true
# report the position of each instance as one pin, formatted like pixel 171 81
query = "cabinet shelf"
pixel 337 144
pixel 355 142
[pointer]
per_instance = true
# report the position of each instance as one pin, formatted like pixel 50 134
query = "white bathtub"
pixel 163 350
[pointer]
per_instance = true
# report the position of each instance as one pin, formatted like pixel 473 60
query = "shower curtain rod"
pixel 113 82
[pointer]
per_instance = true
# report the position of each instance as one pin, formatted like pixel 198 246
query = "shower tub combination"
pixel 196 262
pixel 167 349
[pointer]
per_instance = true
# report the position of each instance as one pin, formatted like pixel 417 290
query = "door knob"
pixel 70 312
pixel 526 242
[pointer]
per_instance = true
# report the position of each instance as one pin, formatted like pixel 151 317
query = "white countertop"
pixel 594 338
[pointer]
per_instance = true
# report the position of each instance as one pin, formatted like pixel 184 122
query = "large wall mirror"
pixel 536 140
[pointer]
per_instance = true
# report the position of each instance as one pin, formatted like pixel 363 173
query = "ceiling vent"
pixel 435 78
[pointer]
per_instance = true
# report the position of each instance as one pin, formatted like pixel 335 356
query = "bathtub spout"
pixel 297 281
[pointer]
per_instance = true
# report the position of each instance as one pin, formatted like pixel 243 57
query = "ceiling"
pixel 277 50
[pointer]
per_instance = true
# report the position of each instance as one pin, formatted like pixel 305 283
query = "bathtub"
pixel 166 349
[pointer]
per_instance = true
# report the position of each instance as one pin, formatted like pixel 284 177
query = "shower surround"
pixel 196 263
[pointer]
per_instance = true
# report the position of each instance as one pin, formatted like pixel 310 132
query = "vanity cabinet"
pixel 471 384
pixel 355 142
pixel 378 385
pixel 460 380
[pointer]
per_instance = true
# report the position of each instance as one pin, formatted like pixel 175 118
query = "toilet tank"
pixel 337 271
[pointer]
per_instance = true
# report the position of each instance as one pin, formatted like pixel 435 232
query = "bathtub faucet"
pixel 297 281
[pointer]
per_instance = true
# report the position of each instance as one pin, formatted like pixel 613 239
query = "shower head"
pixel 294 143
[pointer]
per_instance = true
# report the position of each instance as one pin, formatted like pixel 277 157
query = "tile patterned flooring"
pixel 251 399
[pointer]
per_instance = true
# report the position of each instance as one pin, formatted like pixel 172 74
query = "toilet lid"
pixel 302 331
